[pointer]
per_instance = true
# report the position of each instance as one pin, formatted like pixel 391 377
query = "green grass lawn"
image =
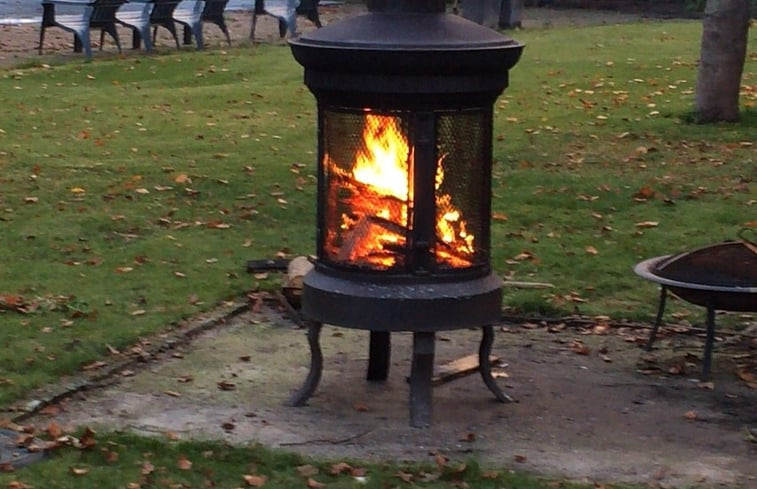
pixel 134 190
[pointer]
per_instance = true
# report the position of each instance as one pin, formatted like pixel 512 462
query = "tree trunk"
pixel 721 61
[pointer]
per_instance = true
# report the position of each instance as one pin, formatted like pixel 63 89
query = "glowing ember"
pixel 377 194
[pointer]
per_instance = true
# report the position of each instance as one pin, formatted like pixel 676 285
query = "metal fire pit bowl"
pixel 721 276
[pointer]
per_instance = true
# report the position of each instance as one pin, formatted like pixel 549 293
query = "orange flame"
pixel 374 229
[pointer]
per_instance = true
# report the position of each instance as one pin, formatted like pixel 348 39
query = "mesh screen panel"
pixel 462 219
pixel 368 212
pixel 367 164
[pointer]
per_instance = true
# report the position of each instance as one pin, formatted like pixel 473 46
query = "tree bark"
pixel 721 62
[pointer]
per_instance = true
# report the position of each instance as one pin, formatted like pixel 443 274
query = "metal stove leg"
pixel 658 319
pixel 301 397
pixel 421 371
pixel 379 353
pixel 707 360
pixel 484 365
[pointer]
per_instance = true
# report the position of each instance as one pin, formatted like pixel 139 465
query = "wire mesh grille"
pixel 368 213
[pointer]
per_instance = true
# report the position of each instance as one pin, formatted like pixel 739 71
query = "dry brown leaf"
pixel 340 468
pixel 171 435
pixel 749 377
pixel 579 348
pixel 361 407
pixel 87 439
pixel 54 430
pixel 404 476
pixel 647 224
pixel 79 470
pixel 307 470
pixel 184 463
pixel 255 480
pixel 314 484
pixel 16 484
pixel 441 461
pixel 690 415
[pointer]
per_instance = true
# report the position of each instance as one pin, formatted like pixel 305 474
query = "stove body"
pixel 405 98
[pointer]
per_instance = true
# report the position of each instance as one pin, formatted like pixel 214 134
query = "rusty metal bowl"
pixel 721 276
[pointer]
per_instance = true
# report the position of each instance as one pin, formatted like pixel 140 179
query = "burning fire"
pixel 375 227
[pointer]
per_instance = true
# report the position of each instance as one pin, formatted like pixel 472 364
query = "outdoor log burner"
pixel 405 96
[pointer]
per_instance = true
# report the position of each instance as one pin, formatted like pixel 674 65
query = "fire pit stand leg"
pixel 707 360
pixel 379 352
pixel 421 371
pixel 484 365
pixel 658 319
pixel 301 397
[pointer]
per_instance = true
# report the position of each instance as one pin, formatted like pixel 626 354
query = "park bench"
pixel 79 18
pixel 165 13
pixel 285 11
pixel 211 12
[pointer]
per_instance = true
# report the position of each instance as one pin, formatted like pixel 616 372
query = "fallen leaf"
pixel 14 484
pixel 441 461
pixel 520 458
pixel 690 415
pixel 340 468
pixel 79 470
pixel 111 456
pixel 94 365
pixel 591 250
pixel 307 470
pixel 171 435
pixel 255 480
pixel 749 377
pixel 360 407
pixel 469 437
pixel 579 348
pixel 647 224
pixel 404 476
pixel 184 463
pixel 225 385
pixel 54 430
pixel 314 484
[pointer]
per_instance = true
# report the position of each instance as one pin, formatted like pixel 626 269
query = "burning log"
pixel 369 236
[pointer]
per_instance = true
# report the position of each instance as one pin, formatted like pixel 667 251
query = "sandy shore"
pixel 18 43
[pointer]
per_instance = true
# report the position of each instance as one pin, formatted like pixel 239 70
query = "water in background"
pixel 30 11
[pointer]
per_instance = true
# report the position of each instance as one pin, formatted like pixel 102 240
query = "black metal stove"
pixel 405 96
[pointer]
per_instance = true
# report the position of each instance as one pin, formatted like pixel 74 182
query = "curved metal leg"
pixel 301 397
pixel 658 319
pixel 484 365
